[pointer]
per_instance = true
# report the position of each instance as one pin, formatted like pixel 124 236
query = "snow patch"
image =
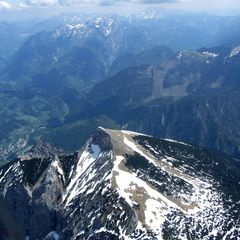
pixel 76 26
pixel 154 216
pixel 56 165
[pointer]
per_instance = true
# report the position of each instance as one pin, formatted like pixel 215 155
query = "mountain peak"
pixel 125 185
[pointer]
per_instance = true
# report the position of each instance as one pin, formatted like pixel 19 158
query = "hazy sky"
pixel 21 9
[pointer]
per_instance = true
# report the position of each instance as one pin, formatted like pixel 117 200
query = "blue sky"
pixel 29 8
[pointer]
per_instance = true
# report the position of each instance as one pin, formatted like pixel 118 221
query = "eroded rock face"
pixel 124 185
pixel 31 187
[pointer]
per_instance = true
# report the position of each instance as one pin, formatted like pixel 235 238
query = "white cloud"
pixel 5 5
pixel 42 2
pixel 199 5
pixel 93 2
pixel 110 2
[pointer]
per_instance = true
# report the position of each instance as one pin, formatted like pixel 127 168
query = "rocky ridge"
pixel 125 185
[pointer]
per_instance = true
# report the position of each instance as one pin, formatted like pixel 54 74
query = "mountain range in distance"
pixel 49 84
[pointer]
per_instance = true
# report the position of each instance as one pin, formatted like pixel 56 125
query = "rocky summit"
pixel 124 185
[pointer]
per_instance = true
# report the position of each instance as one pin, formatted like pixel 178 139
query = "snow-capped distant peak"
pixel 98 21
pixel 235 51
pixel 180 55
pixel 148 15
pixel 100 25
pixel 210 54
pixel 105 24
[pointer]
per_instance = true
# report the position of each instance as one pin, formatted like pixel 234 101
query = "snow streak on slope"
pixel 128 184
pixel 84 165
pixel 235 51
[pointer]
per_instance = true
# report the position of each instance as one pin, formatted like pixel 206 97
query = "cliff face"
pixel 124 185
